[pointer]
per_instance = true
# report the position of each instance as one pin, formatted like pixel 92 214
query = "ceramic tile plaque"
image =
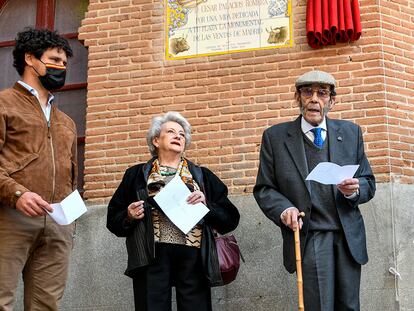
pixel 197 28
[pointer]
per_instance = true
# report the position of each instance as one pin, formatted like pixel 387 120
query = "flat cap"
pixel 315 76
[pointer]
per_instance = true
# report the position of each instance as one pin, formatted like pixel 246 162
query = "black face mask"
pixel 54 78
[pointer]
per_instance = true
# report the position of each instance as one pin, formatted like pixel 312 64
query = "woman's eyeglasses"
pixel 172 132
pixel 321 93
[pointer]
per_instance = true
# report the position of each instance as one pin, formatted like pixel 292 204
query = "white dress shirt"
pixel 307 127
pixel 48 108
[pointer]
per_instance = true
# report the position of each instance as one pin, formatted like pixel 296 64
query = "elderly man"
pixel 333 234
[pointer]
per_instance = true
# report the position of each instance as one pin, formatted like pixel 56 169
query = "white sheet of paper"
pixel 70 209
pixel 331 174
pixel 172 200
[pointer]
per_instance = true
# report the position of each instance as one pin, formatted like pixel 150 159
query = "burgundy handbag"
pixel 228 253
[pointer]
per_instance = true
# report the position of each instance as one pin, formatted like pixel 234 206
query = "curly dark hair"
pixel 36 42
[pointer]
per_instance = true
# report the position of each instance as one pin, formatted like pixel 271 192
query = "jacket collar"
pixel 336 143
pixel 147 169
pixel 21 89
pixel 33 99
pixel 294 144
pixel 33 91
pixel 194 169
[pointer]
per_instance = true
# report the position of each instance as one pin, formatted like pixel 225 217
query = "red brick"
pixel 230 99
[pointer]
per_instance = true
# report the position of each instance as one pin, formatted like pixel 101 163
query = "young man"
pixel 37 168
pixel 333 235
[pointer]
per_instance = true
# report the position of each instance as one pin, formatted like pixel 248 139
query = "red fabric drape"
pixel 331 21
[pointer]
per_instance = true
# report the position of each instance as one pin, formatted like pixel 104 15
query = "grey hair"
pixel 158 121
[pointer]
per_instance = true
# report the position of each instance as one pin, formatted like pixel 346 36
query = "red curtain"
pixel 331 21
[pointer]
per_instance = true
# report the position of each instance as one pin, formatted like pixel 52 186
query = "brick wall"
pixel 397 29
pixel 230 99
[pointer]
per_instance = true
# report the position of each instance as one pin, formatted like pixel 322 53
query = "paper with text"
pixel 172 199
pixel 70 209
pixel 331 174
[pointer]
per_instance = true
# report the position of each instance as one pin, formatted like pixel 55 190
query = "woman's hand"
pixel 136 210
pixel 196 197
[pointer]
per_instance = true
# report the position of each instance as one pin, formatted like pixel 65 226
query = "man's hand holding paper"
pixel 332 174
pixel 32 205
pixel 349 186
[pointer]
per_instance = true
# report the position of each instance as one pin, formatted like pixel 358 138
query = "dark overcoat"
pixel 281 182
pixel 222 217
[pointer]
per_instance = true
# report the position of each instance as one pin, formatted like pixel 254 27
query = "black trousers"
pixel 331 277
pixel 175 265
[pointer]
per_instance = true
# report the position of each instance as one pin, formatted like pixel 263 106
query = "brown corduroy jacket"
pixel 35 155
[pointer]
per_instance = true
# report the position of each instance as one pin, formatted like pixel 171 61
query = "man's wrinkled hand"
pixel 32 205
pixel 290 218
pixel 349 186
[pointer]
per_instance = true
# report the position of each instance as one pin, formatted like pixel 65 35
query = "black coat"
pixel 281 182
pixel 223 215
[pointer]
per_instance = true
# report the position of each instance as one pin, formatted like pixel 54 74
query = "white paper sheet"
pixel 70 209
pixel 172 199
pixel 331 174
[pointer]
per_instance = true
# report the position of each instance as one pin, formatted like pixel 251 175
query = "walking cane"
pixel 299 265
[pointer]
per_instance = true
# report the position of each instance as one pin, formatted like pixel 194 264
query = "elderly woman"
pixel 159 254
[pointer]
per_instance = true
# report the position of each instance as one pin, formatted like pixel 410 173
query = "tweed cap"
pixel 315 76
